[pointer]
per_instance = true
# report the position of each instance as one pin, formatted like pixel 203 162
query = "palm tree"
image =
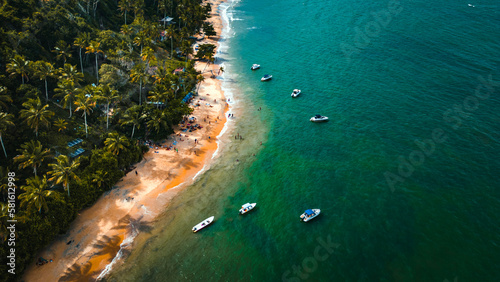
pixel 94 47
pixel 82 42
pixel 4 180
pixel 171 32
pixel 100 177
pixel 162 6
pixel 68 90
pixel 137 6
pixel 44 70
pixel 32 154
pixel 63 171
pixel 19 66
pixel 108 95
pixel 161 75
pixel 200 79
pixel 134 117
pixel 125 6
pixel 70 72
pixel 159 94
pixel 35 193
pixel 115 143
pixel 36 114
pixel 61 125
pixel 158 120
pixel 84 103
pixel 148 56
pixel 138 73
pixel 141 39
pixel 126 30
pixel 4 97
pixel 5 122
pixel 63 51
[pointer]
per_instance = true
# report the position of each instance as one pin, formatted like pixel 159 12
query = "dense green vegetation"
pixel 97 70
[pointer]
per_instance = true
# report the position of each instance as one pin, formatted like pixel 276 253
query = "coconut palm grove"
pixel 82 82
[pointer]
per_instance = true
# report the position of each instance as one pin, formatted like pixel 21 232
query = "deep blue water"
pixel 389 75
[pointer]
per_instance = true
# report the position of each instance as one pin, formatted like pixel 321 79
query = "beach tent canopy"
pixel 188 96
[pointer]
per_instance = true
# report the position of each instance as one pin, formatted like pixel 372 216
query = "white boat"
pixel 266 77
pixel 296 92
pixel 319 118
pixel 310 214
pixel 247 207
pixel 203 224
pixel 255 67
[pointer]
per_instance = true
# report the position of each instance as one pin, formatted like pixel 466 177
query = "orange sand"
pixel 99 231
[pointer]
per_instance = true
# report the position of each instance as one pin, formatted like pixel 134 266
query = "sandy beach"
pixel 100 233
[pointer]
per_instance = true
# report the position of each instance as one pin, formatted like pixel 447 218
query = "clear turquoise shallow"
pixel 441 222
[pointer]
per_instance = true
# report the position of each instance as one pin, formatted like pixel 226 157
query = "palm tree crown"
pixel 36 114
pixel 19 66
pixel 5 122
pixel 85 103
pixel 68 90
pixel 63 171
pixel 35 193
pixel 32 154
pixel 115 143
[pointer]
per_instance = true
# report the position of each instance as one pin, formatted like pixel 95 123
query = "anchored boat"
pixel 266 77
pixel 296 92
pixel 247 207
pixel 319 118
pixel 310 214
pixel 203 224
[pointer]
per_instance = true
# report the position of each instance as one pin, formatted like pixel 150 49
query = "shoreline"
pixel 100 233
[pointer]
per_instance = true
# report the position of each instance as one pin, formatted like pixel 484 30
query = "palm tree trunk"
pixel 133 130
pixel 125 17
pixel 107 116
pixel 81 61
pixel 67 187
pixel 70 112
pixel 5 152
pixel 46 91
pixel 96 69
pixel 34 169
pixel 85 117
pixel 22 77
pixel 172 46
pixel 140 91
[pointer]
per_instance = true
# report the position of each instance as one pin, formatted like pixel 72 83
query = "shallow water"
pixel 412 80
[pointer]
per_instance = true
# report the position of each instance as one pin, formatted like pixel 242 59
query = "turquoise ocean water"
pixel 405 172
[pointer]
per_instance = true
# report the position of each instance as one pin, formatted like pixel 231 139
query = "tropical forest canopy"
pixel 81 84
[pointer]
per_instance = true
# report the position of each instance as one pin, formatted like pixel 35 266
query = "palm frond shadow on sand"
pixel 79 273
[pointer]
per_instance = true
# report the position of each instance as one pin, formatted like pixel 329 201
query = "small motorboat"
pixel 203 224
pixel 266 77
pixel 296 92
pixel 247 207
pixel 319 118
pixel 255 67
pixel 310 214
